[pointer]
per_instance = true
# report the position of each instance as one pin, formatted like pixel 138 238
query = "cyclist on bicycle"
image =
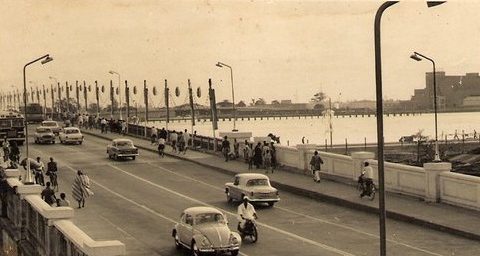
pixel 367 179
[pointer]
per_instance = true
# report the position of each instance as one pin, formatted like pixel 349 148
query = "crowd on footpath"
pixel 80 187
pixel 87 121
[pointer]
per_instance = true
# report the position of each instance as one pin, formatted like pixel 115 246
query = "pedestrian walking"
pixel 52 173
pixel 161 146
pixel 48 195
pixel 173 140
pixel 250 155
pixel 187 140
pixel 153 135
pixel 316 163
pixel 257 155
pixel 39 171
pixel 62 201
pixel 226 148
pixel 273 152
pixel 124 127
pixel 81 188
pixel 267 159
pixel 236 148
pixel 14 152
pixel 6 149
pixel 180 142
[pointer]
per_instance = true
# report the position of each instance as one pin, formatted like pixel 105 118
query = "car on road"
pixel 44 135
pixel 255 186
pixel 70 135
pixel 121 148
pixel 204 230
pixel 52 125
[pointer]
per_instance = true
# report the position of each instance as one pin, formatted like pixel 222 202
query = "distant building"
pixel 284 102
pixel 471 101
pixel 453 92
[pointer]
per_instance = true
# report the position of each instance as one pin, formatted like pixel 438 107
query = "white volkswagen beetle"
pixel 204 230
pixel 70 135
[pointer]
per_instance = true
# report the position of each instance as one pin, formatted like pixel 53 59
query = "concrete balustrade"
pixel 47 230
pixel 433 182
pixel 459 189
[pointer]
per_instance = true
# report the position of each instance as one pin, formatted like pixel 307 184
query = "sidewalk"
pixel 441 217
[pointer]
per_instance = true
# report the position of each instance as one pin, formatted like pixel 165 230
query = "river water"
pixel 354 129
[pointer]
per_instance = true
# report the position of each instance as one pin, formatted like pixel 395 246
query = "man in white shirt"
pixel 245 211
pixel 186 138
pixel 367 176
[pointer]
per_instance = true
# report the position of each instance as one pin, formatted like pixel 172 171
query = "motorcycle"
pixel 250 230
pixel 362 187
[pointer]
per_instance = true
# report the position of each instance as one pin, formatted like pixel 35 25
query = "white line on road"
pixel 301 214
pixel 306 240
pixel 277 207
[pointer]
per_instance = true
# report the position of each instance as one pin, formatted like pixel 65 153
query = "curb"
pixel 330 199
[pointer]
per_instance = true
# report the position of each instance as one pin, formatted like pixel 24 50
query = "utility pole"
pixel 191 104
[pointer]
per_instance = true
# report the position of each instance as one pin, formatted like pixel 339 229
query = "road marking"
pixel 306 240
pixel 125 198
pixel 277 207
pixel 303 215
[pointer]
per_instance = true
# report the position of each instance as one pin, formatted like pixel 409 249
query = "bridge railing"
pixel 40 229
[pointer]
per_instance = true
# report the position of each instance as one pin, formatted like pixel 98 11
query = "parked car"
pixel 70 135
pixel 256 187
pixel 122 148
pixel 44 135
pixel 52 125
pixel 204 230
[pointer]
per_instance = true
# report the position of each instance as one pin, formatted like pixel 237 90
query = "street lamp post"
pixel 418 57
pixel 379 113
pixel 59 100
pixel 45 59
pixel 119 92
pixel 221 65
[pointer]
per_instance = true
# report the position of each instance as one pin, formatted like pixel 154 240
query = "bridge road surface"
pixel 137 202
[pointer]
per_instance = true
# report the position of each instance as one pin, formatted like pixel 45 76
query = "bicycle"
pixel 361 187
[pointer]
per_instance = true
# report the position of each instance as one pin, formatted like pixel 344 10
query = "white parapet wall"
pixel 459 189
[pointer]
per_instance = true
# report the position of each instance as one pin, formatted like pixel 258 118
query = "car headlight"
pixel 233 240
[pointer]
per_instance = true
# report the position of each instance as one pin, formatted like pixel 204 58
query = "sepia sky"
pixel 278 49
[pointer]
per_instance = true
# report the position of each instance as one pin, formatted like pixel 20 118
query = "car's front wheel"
pixel 271 204
pixel 194 249
pixel 235 253
pixel 177 242
pixel 133 157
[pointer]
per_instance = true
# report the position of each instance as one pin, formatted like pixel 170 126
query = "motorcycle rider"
pixel 245 211
pixel 367 178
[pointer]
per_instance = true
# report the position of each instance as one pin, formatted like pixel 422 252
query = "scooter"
pixel 250 230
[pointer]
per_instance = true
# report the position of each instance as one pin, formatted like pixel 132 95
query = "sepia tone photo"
pixel 232 127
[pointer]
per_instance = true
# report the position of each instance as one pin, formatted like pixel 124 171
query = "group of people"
pixel 180 141
pixel 262 156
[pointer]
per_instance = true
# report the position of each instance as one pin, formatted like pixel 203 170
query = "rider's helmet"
pixel 245 199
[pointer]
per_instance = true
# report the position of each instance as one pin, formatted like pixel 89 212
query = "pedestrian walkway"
pixel 438 216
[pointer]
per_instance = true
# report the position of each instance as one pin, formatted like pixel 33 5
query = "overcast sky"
pixel 278 49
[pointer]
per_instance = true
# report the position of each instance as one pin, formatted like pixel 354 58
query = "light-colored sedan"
pixel 70 135
pixel 52 125
pixel 122 148
pixel 204 230
pixel 44 135
pixel 256 187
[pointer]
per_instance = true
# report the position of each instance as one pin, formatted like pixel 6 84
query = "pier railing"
pixel 32 227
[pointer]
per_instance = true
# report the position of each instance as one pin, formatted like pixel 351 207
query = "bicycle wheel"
pixel 373 192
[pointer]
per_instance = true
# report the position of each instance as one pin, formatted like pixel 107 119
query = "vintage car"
pixel 44 135
pixel 70 135
pixel 256 187
pixel 204 230
pixel 122 148
pixel 52 125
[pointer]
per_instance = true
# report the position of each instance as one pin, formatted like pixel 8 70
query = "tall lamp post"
pixel 418 57
pixel 45 59
pixel 221 65
pixel 379 113
pixel 119 92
